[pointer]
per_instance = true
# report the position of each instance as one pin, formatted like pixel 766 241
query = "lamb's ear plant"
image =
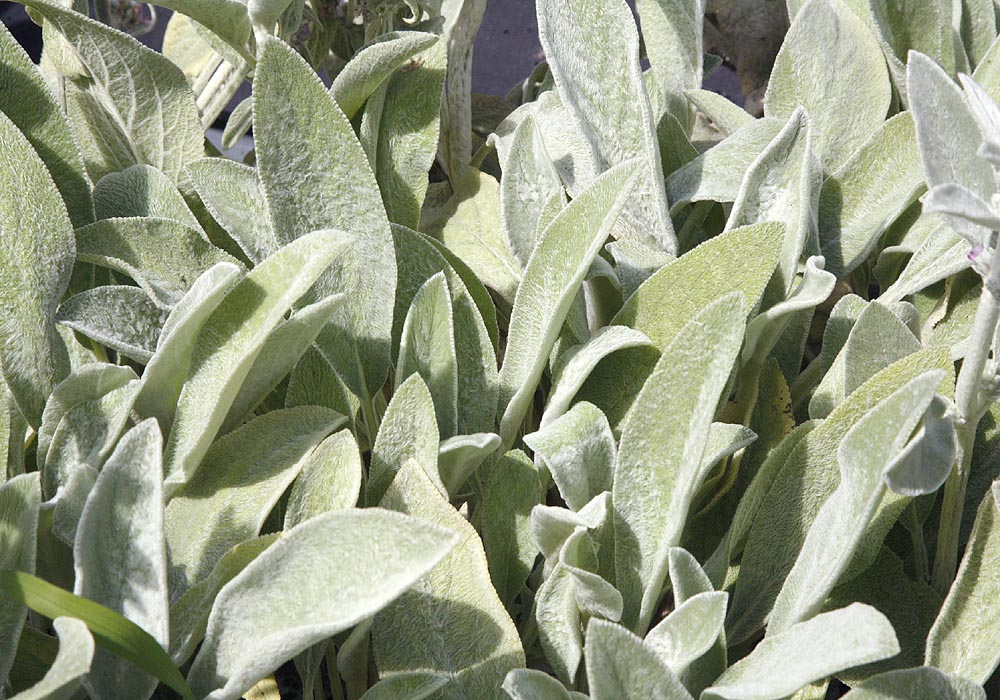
pixel 628 394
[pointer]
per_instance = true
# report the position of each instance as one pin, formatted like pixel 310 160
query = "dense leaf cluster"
pixel 606 389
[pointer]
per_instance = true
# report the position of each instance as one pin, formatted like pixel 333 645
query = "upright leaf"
pixel 554 274
pixel 427 628
pixel 827 48
pixel 20 499
pixel 231 339
pixel 587 48
pixel 35 269
pixel 142 103
pixel 673 34
pixel 621 667
pixel 316 176
pixel 76 650
pixel 120 558
pixel 29 104
pixel 461 23
pixel 322 577
pixel 659 465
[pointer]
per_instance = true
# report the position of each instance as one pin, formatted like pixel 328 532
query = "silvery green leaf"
pixel 35 271
pixel 726 115
pixel 635 262
pixel 474 352
pixel 144 102
pixel 235 198
pixel 724 440
pixel 673 35
pixel 557 267
pixel 226 18
pixel 978 28
pixel 953 200
pixel 166 370
pixel 70 498
pixel 427 348
pixel 404 135
pixel 408 431
pixel 798 486
pixel 741 260
pixel 237 483
pixel 921 683
pixel 89 383
pixel 277 358
pixel 509 493
pixel 120 558
pixel 924 464
pixel 315 176
pixel 593 54
pixel 690 630
pixel 459 457
pixel 557 617
pixel 189 613
pixel 142 191
pixel 330 480
pixel 806 652
pixel 950 155
pixel 717 173
pixel 941 254
pixel 964 637
pixel 163 256
pixel 231 339
pixel 529 684
pixel 314 382
pixel 552 526
pixel 621 667
pixel 76 649
pixel 828 46
pixel 901 27
pixel 687 578
pixel 29 104
pixel 122 318
pixel 264 14
pixel 782 185
pixel 579 451
pixel 528 183
pixel 577 362
pixel 373 64
pixel 868 192
pixel 20 499
pixel 411 685
pixel 565 142
pixel 322 577
pixel 469 226
pixel 984 110
pixel 663 442
pixel 877 339
pixel 461 23
pixel 427 628
pixel 866 452
pixel 765 329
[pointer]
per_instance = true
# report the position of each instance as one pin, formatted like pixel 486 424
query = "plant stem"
pixel 969 402
pixel 916 529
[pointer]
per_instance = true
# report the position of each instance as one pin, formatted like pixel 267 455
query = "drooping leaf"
pixel 427 628
pixel 593 54
pixel 122 318
pixel 411 685
pixel 921 683
pixel 461 455
pixel 237 483
pixel 554 273
pixel 120 558
pixel 227 18
pixel 231 339
pixel 663 440
pixel 828 46
pixel 322 577
pixel 35 271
